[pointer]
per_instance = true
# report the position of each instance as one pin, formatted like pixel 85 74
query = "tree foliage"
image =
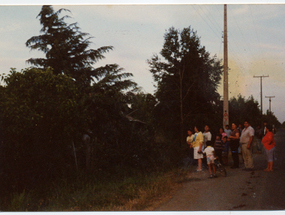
pixel 248 109
pixel 187 80
pixel 40 118
pixel 65 47
pixel 46 109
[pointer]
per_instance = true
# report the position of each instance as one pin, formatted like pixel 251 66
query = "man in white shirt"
pixel 246 141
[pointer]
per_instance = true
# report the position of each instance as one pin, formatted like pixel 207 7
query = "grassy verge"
pixel 135 193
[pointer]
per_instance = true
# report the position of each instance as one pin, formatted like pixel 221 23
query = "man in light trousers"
pixel 246 141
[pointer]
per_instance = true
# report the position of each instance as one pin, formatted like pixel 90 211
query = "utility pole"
pixel 226 82
pixel 261 76
pixel 270 102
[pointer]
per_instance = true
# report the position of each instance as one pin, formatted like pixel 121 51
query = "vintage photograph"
pixel 142 106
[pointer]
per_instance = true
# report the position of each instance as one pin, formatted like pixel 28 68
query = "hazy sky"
pixel 256 39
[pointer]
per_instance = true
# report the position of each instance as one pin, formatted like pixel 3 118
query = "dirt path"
pixel 240 190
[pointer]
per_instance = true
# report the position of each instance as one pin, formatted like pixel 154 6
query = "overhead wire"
pixel 232 45
pixel 240 31
pixel 212 21
pixel 256 34
pixel 206 21
pixel 237 51
pixel 217 31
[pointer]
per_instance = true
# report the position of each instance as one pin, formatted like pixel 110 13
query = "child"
pixel 210 153
pixel 226 143
pixel 219 147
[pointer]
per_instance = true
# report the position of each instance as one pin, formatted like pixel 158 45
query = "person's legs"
pixel 271 166
pixel 243 151
pixel 191 155
pixel 247 156
pixel 210 170
pixel 235 156
pixel 258 145
pixel 250 159
pixel 196 156
pixel 267 169
pixel 214 169
pixel 270 159
pixel 199 164
pixel 219 153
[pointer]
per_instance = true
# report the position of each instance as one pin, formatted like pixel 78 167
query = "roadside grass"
pixel 134 193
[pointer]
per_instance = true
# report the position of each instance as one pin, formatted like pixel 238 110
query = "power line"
pixel 212 20
pixel 239 30
pixel 206 22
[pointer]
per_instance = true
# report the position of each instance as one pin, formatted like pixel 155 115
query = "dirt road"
pixel 240 190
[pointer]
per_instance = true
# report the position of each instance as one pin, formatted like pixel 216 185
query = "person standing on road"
pixel 240 130
pixel 269 145
pixel 234 144
pixel 210 153
pixel 225 153
pixel 219 147
pixel 228 130
pixel 198 140
pixel 207 135
pixel 189 141
pixel 246 141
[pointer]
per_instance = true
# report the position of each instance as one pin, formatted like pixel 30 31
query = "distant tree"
pixel 242 108
pixel 271 119
pixel 187 80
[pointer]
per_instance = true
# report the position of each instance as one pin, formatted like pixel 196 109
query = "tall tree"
pixel 67 52
pixel 102 90
pixel 187 80
pixel 65 47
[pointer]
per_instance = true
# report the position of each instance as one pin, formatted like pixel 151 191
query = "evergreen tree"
pixel 65 47
pixel 101 91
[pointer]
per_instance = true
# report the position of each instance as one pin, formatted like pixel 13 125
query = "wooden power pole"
pixel 226 82
pixel 270 102
pixel 261 76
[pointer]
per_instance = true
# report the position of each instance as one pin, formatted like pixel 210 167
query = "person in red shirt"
pixel 269 145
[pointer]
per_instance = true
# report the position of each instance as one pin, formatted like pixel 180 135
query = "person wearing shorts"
pixel 210 153
pixel 269 145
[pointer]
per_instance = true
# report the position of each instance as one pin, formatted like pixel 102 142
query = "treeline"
pixel 46 109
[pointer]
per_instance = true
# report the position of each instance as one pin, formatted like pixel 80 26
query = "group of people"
pixel 237 139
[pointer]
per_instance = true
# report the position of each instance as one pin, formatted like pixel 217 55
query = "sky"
pixel 256 38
